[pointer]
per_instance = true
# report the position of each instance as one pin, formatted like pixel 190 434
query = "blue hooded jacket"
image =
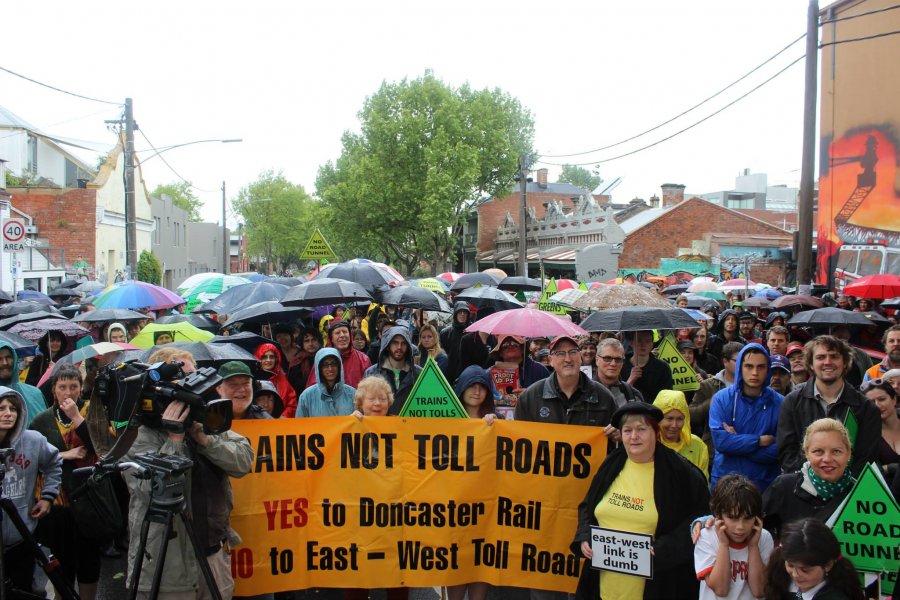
pixel 471 375
pixel 751 418
pixel 317 401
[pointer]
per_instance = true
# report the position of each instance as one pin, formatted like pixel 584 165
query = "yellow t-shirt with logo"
pixel 628 505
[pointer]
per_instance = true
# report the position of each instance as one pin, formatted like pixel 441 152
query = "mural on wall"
pixel 859 201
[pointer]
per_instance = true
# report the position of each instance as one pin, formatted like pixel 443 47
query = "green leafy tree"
pixel 148 268
pixel 579 176
pixel 183 196
pixel 279 217
pixel 425 153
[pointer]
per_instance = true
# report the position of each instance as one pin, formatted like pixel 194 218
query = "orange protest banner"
pixel 390 502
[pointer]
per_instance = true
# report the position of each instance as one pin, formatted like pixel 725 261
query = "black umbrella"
pixel 198 321
pixel 70 310
pixel 517 283
pixel 22 346
pixel 68 283
pixel 325 290
pixel 35 330
pixel 102 315
pixel 265 312
pixel 367 275
pixel 697 301
pixel 30 316
pixel 638 318
pixel 472 279
pixel 245 295
pixel 25 306
pixel 891 303
pixel 206 355
pixel 832 316
pixel 245 339
pixel 489 297
pixel 89 287
pixel 5 297
pixel 288 281
pixel 64 293
pixel 678 288
pixel 415 297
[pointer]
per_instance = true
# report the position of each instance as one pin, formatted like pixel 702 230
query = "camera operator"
pixel 216 458
pixel 31 454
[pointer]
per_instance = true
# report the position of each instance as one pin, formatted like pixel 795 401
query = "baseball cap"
pixel 562 338
pixel 794 347
pixel 778 361
pixel 234 368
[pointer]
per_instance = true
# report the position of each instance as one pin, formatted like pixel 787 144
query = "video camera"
pixel 135 389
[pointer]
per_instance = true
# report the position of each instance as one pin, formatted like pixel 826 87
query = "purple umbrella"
pixel 137 294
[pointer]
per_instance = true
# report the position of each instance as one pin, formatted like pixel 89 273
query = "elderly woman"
pixel 675 429
pixel 669 491
pixel 820 485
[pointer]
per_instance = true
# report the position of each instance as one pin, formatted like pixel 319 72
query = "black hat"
pixel 635 408
pixel 682 344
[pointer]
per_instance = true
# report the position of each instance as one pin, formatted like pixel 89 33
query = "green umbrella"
pixel 209 288
pixel 431 284
pixel 180 332
pixel 712 294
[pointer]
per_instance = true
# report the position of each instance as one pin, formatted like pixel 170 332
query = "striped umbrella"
pixel 210 288
pixel 138 294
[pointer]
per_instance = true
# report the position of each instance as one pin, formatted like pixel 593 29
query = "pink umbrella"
pixel 702 286
pixel 596 284
pixel 450 277
pixel 566 284
pixel 526 322
pixel 737 283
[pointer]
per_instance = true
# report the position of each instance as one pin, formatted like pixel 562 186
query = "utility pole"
pixel 807 179
pixel 523 212
pixel 130 206
pixel 225 236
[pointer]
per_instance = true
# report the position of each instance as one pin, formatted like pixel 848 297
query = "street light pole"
pixel 225 236
pixel 130 204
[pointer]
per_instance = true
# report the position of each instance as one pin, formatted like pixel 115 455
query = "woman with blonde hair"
pixel 430 345
pixel 373 397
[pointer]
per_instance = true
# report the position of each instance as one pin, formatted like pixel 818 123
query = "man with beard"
pixel 827 394
pixel 891 341
pixel 799 372
pixel 725 330
pixel 396 366
pixel 780 374
pixel 9 377
pixel 353 362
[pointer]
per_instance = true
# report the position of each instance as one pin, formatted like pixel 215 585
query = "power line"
pixel 860 39
pixel 16 132
pixel 158 153
pixel 865 14
pixel 58 89
pixel 677 133
pixel 694 107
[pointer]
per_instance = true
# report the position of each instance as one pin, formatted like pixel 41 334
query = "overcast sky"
pixel 290 77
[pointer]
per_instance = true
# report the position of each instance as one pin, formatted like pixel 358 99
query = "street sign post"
pixel 13 235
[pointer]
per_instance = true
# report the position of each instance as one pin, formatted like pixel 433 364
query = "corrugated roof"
pixel 9 119
pixel 643 218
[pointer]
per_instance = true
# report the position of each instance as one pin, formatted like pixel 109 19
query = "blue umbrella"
pixel 696 314
pixel 35 297
pixel 769 293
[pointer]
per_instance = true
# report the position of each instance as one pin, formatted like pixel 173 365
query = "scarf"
pixel 826 490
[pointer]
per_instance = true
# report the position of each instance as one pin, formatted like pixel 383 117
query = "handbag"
pixel 96 509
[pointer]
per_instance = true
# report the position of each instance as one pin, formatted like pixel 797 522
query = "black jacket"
pixel 656 376
pixel 785 501
pixel 543 402
pixel 681 494
pixel 718 340
pixel 407 378
pixel 800 408
pixel 451 336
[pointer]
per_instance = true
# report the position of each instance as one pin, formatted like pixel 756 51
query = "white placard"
pixel 622 552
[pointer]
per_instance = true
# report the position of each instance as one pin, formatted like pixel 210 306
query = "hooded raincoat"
pixel 689 445
pixel 717 338
pixel 451 336
pixel 741 452
pixel 34 399
pixel 474 375
pixel 33 456
pixel 42 361
pixel 285 389
pixel 317 400
pixel 400 380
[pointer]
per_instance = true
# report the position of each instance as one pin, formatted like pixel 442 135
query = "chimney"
pixel 654 201
pixel 542 178
pixel 672 194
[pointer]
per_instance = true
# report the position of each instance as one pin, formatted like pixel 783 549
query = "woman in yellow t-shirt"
pixel 643 487
pixel 675 429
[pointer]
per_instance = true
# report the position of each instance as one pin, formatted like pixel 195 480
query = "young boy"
pixel 730 557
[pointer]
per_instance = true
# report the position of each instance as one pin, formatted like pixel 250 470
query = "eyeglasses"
pixel 612 359
pixel 564 353
pixel 329 365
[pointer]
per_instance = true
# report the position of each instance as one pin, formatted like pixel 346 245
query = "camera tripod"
pixel 167 476
pixel 49 565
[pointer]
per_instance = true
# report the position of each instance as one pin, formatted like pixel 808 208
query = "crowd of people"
pixel 763 444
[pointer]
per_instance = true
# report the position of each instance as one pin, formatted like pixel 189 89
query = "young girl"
pixel 808 564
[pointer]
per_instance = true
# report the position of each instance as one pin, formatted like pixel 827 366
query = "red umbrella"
pixel 526 322
pixel 874 286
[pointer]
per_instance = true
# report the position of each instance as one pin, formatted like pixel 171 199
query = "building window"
pixel 32 153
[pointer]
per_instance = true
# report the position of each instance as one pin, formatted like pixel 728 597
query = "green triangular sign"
pixel 583 286
pixel 432 396
pixel 546 305
pixel 682 373
pixel 867 524
pixel 317 248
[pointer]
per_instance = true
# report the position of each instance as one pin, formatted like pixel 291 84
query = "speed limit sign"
pixel 13 235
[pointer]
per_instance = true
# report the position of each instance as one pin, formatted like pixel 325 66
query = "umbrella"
pixel 270 311
pixel 472 279
pixel 25 306
pixel 449 277
pixel 64 293
pixel 246 340
pixel 678 288
pixel 246 295
pixel 288 281
pixel 196 279
pixel 415 297
pixel 620 295
pixel 35 330
pixel 30 316
pixel 137 294
pixel 757 302
pixel 206 355
pixel 874 286
pixel 569 284
pixel 829 317
pixel 698 301
pixel 94 350
pixel 102 315
pixel 255 277
pixel 704 285
pixel 198 321
pixel 713 294
pixel 366 274
pixel 34 297
pixel 638 318
pixel 5 297
pixel 89 287
pixel 768 293
pixel 68 283
pixel 23 347
pixel 438 286
pixel 891 303
pixel 325 290
pixel 181 332
pixel 696 314
pixel 567 297
pixel 796 300
pixel 210 288
pixel 737 283
pixel 519 283
pixel 70 310
pixel 526 322
pixel 489 297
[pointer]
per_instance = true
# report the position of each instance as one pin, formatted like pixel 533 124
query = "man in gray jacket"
pixel 395 364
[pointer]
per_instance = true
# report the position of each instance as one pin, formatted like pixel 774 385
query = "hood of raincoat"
pixel 668 400
pixel 320 355
pixel 389 335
